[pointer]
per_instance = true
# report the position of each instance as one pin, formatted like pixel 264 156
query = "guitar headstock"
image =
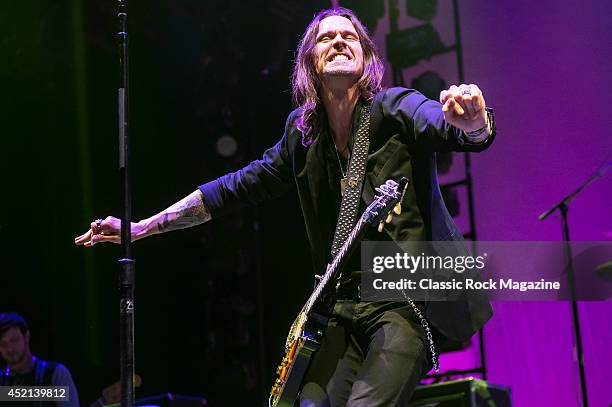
pixel 388 196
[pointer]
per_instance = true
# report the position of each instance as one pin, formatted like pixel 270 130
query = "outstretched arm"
pixel 189 211
pixel 258 181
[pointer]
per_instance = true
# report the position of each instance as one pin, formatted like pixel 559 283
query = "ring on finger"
pixel 98 223
pixel 466 92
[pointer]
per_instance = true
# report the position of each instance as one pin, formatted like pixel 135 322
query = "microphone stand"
pixel 126 263
pixel 563 208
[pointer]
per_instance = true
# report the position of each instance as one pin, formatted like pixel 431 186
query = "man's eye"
pixel 350 37
pixel 324 38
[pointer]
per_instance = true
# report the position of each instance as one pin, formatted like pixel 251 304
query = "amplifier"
pixel 470 392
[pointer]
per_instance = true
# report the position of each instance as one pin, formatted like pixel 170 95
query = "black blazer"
pixel 406 130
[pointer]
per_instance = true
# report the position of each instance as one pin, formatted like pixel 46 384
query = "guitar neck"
pixel 334 266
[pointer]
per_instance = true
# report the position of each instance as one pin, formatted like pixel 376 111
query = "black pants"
pixel 373 354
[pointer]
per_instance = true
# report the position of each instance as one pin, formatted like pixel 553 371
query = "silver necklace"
pixel 343 179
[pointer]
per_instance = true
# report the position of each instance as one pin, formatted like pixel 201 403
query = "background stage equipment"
pixel 470 392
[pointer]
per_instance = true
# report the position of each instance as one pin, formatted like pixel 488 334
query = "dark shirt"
pixel 336 166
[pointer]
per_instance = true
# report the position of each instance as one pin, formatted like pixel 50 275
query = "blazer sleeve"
pixel 263 179
pixel 421 120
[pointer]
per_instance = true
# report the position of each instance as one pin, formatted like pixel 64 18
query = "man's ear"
pixel 27 336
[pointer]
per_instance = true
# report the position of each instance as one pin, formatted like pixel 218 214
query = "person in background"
pixel 23 368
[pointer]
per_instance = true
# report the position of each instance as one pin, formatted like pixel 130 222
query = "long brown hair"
pixel 305 82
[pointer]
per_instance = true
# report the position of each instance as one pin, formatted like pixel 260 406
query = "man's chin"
pixel 339 71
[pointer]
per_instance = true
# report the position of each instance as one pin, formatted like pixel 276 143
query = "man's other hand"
pixel 464 107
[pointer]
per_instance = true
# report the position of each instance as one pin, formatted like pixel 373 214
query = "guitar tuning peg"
pixel 397 208
pixel 389 218
pixel 381 225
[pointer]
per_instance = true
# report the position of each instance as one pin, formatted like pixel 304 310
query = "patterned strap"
pixel 354 183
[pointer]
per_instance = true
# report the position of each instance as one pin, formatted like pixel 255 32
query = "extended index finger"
pixel 85 237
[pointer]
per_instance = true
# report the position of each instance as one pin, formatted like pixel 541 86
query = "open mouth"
pixel 338 57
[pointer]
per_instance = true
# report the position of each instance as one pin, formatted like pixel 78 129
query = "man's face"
pixel 14 345
pixel 338 50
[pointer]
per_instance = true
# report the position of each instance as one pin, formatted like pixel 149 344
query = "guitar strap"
pixel 354 182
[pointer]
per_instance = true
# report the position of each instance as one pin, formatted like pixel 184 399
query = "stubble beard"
pixel 339 70
pixel 339 76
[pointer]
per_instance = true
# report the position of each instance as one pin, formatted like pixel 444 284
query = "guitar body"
pixel 289 389
pixel 303 341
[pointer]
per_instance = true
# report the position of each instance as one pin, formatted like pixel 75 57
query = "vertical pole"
pixel 393 28
pixel 458 44
pixel 575 316
pixel 126 264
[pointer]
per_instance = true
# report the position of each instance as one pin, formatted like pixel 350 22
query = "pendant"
pixel 342 185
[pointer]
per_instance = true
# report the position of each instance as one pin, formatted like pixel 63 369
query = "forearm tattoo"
pixel 189 211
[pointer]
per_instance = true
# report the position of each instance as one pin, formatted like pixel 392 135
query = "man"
pixel 373 353
pixel 23 368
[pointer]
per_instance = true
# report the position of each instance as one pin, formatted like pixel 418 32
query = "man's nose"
pixel 338 42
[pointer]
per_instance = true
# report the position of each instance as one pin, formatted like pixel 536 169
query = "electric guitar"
pixel 307 330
